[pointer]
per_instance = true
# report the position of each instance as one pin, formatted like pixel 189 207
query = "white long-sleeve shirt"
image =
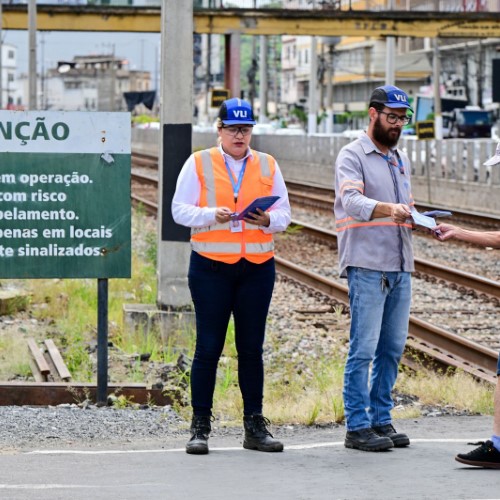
pixel 185 203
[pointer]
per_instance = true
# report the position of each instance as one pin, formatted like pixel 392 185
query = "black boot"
pixel 200 430
pixel 257 437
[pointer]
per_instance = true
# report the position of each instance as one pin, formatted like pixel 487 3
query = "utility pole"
pixel 275 78
pixel 252 72
pixel 436 70
pixel 208 76
pixel 113 79
pixel 390 53
pixel 43 99
pixel 32 105
pixel 330 42
pixel 479 73
pixel 313 76
pixel 263 79
pixel 313 105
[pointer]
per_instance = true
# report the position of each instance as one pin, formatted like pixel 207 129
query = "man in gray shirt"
pixel 372 210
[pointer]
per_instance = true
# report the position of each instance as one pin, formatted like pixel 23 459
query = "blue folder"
pixel 263 203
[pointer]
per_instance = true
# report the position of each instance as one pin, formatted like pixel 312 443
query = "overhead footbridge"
pixel 262 21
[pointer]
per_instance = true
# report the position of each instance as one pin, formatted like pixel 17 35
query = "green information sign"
pixel 64 195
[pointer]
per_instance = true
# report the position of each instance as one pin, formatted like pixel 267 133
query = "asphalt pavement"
pixel 315 465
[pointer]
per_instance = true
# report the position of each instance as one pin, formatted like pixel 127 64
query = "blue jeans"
pixel 380 310
pixel 218 290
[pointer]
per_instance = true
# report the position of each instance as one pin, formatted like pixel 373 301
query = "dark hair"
pixel 377 105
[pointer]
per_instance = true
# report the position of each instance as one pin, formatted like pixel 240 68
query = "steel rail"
pixel 445 347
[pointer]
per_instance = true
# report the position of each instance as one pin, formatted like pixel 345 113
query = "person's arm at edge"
pixel 483 238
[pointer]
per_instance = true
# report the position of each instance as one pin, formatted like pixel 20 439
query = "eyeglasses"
pixel 392 118
pixel 236 130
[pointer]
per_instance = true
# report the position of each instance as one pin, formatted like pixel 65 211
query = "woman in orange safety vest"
pixel 231 269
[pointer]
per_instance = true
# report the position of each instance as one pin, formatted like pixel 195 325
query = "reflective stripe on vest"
pixel 350 223
pixel 217 241
pixel 232 248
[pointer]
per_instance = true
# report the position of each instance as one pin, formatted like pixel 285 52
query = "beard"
pixel 388 137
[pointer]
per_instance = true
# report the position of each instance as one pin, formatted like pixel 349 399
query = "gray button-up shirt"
pixel 363 178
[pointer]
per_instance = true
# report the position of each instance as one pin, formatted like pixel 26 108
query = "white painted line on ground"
pixel 66 486
pixel 304 446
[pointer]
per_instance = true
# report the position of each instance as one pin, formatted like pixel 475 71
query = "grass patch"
pixel 14 358
pixel 458 390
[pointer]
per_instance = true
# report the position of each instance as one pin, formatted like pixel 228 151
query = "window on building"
pixel 10 77
pixel 11 54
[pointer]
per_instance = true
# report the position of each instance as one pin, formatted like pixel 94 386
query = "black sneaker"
pixel 367 440
pixel 485 455
pixel 398 438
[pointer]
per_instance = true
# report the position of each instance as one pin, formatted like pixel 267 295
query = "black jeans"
pixel 218 289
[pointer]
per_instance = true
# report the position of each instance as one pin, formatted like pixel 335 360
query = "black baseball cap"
pixel 391 96
pixel 236 112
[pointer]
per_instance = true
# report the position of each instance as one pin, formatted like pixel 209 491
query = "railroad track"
pixel 426 341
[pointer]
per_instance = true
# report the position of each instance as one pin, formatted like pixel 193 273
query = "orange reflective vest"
pixel 217 242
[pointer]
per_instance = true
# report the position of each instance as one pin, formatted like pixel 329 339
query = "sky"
pixel 140 49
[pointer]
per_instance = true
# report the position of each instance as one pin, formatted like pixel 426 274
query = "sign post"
pixel 65 202
pixel 426 131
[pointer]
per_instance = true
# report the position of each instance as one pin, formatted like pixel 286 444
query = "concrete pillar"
pixel 176 113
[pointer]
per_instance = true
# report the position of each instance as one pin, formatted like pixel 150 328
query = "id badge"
pixel 236 226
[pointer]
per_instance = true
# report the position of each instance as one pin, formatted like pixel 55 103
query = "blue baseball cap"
pixel 235 112
pixel 391 96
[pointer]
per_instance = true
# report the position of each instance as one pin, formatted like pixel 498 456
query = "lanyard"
pixel 391 161
pixel 236 185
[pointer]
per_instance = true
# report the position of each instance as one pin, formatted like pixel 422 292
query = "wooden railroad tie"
pixel 47 364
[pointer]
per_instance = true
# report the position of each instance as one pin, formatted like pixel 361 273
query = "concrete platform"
pixel 315 465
